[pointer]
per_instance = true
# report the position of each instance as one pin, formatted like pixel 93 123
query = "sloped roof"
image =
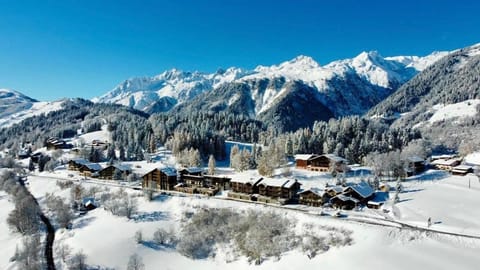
pixel 337 189
pixel 314 190
pixel 305 156
pixel 122 167
pixel 449 162
pixel 272 182
pixel 345 198
pixel 93 166
pixel 335 158
pixel 80 161
pixel 193 170
pixel 363 189
pixel 415 159
pixel 245 179
pixel 169 171
pixel 462 168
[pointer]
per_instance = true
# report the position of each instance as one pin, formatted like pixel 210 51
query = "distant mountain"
pixel 442 102
pixel 12 101
pixel 453 79
pixel 15 107
pixel 146 93
pixel 350 86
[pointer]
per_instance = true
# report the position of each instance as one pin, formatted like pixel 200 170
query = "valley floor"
pixel 108 240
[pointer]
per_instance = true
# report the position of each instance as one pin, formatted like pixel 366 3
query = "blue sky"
pixel 54 49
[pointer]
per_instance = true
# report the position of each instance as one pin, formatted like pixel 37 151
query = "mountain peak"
pixel 302 60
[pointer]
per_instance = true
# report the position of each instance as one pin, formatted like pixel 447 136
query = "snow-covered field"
pixel 458 110
pixel 108 240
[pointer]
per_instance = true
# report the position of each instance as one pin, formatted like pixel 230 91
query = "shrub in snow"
pixel 64 184
pixel 164 237
pixel 78 262
pixel 29 257
pixel 135 262
pixel 138 237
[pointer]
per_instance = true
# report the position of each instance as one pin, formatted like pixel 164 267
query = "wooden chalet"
pixel 378 200
pixel 244 187
pixel 160 179
pixel 280 190
pixel 109 172
pixel 312 197
pixel 220 182
pixel 462 170
pixel 56 143
pixel 344 202
pixel 361 191
pixel 415 165
pixel 89 169
pixel 321 163
pixel 303 161
pixel 76 163
pixel 333 191
pixel 445 164
pixel 193 180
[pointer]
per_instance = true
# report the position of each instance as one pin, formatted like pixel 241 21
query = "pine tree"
pixel 31 166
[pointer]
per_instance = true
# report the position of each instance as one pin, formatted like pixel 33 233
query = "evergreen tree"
pixel 211 165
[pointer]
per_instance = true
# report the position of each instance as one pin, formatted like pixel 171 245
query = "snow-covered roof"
pixel 245 179
pixel 93 166
pixel 449 162
pixel 80 161
pixel 380 197
pixel 290 183
pixel 305 156
pixel 415 159
pixel 314 190
pixel 122 167
pixel 345 198
pixel 272 182
pixel 193 170
pixel 169 171
pixel 337 189
pixel 444 156
pixel 462 168
pixel 363 189
pixel 335 158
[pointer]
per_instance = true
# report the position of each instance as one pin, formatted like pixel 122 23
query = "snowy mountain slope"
pixel 359 83
pixel 12 101
pixel 15 107
pixel 452 79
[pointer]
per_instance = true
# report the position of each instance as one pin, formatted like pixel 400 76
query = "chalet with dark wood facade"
pixel 277 190
pixel 76 163
pixel 160 179
pixel 90 169
pixel 312 197
pixel 361 191
pixel 445 164
pixel 244 187
pixel 462 170
pixel 109 172
pixel 56 143
pixel 321 163
pixel 220 182
pixel 415 165
pixel 344 202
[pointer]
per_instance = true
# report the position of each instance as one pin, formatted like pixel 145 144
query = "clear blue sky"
pixel 64 48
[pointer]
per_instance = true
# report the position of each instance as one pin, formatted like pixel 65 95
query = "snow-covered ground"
pixel 108 240
pixel 463 109
pixel 8 241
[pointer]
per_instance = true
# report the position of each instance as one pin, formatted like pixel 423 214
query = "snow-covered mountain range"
pixel 367 76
